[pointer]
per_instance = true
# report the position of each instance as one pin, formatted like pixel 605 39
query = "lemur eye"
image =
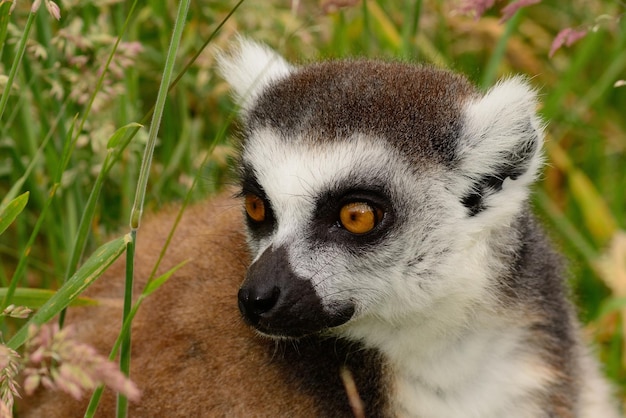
pixel 255 207
pixel 359 217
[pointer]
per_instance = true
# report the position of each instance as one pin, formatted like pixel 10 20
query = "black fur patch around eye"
pixel 325 226
pixel 250 184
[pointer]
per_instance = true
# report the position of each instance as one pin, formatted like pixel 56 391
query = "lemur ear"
pixel 500 151
pixel 249 68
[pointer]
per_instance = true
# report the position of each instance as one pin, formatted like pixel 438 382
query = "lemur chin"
pixel 388 232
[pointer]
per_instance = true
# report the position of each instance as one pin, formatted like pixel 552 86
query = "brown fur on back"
pixel 192 355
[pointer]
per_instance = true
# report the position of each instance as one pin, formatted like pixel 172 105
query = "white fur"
pixel 483 374
pixel 422 317
pixel 494 124
pixel 294 175
pixel 250 68
pixel 451 349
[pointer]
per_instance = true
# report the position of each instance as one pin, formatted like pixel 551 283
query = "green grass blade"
pixel 410 27
pixel 386 27
pixel 491 70
pixel 94 402
pixel 36 298
pixel 9 212
pixel 146 162
pixel 125 351
pixel 612 305
pixel 119 135
pixel 151 287
pixel 4 24
pixel 142 182
pixel 16 63
pixel 204 45
pixel 156 283
pixel 23 261
pixel 595 212
pixel 93 268
pixel 566 228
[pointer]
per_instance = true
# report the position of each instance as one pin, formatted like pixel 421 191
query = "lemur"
pixel 386 204
pixel 388 233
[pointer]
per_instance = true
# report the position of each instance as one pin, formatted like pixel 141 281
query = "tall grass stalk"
pixel 5 10
pixel 125 353
pixel 153 282
pixel 16 62
pixel 146 162
pixel 137 209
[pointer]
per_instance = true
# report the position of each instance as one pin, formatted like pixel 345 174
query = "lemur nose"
pixel 253 303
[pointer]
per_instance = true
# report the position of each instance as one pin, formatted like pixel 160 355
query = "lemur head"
pixel 374 191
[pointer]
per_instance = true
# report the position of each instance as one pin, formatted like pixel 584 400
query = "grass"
pixel 70 132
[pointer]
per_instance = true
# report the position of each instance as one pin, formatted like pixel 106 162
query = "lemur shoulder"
pixel 388 233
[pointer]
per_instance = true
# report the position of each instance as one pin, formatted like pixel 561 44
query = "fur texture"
pixel 192 354
pixel 444 299
pixel 455 284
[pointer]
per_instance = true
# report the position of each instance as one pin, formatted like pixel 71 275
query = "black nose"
pixel 253 303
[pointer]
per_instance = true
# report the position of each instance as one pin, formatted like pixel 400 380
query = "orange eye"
pixel 255 207
pixel 359 217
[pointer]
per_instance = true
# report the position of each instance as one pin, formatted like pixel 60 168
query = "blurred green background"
pixel 581 196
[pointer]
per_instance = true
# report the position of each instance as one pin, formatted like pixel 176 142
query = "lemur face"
pixel 373 190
